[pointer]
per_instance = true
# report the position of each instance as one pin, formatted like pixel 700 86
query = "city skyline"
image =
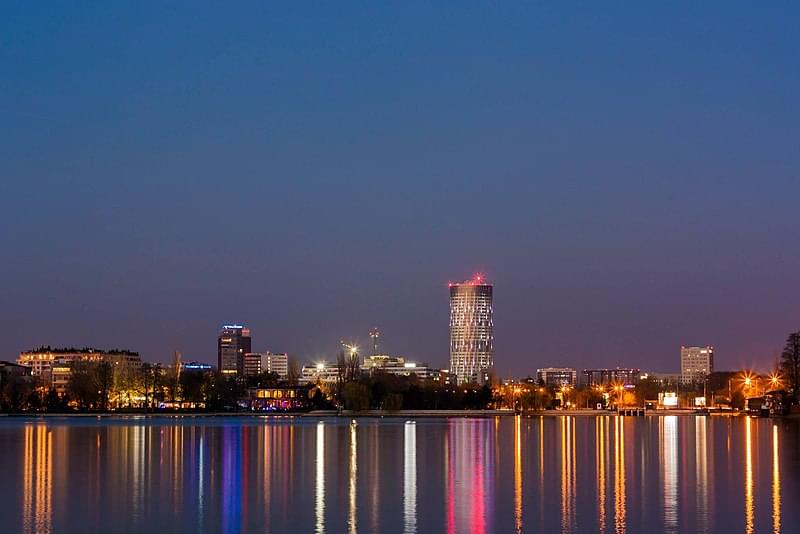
pixel 626 177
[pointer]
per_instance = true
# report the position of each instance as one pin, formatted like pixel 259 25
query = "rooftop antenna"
pixel 374 334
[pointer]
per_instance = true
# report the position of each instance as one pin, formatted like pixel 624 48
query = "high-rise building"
pixel 696 363
pixel 471 326
pixel 233 343
pixel 557 376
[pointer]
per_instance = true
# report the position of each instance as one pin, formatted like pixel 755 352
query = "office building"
pixel 233 343
pixel 471 330
pixel 256 363
pixel 275 362
pixel 252 364
pixel 617 376
pixel 696 363
pixel 557 376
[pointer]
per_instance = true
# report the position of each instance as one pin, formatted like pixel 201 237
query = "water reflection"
pixel 410 477
pixel 517 474
pixel 37 484
pixel 231 479
pixel 470 487
pixel 601 436
pixel 651 474
pixel 567 474
pixel 701 472
pixel 319 501
pixel 353 479
pixel 669 462
pixel 749 508
pixel 620 510
pixel 776 483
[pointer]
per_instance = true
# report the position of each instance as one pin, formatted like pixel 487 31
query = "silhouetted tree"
pixel 293 375
pixel 104 380
pixel 790 362
pixel 82 385
pixel 194 385
pixel 356 396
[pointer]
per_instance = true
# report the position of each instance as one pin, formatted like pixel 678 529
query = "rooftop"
pixel 74 350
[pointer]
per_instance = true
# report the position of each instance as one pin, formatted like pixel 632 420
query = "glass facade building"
pixel 471 330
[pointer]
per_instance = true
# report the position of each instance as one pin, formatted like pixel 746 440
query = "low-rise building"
pixel 281 398
pixel 603 377
pixel 395 365
pixel 51 366
pixel 319 373
pixel 11 371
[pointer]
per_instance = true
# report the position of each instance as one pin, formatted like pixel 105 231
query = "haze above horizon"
pixel 626 176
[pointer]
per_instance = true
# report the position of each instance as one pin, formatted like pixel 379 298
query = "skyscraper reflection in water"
pixel 470 478
pixel 511 474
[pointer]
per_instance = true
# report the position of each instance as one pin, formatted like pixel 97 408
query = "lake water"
pixel 511 474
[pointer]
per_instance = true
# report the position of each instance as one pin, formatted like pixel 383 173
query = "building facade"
pixel 321 373
pixel 696 363
pixel 557 376
pixel 275 362
pixel 395 365
pixel 604 377
pixel 471 330
pixel 281 398
pixel 233 343
pixel 53 367
pixel 256 363
pixel 252 364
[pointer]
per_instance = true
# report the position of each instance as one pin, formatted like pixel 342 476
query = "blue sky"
pixel 626 174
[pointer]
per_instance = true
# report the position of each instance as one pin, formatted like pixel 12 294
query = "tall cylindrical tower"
pixel 471 325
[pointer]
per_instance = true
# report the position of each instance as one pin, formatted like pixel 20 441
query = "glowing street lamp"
pixel 775 380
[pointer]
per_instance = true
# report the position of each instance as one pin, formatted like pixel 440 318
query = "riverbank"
pixel 366 413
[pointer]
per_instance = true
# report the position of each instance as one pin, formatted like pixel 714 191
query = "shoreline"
pixel 377 414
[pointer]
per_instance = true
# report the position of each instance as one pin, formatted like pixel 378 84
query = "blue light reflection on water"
pixel 599 474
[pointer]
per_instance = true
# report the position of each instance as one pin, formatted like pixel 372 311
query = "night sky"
pixel 626 175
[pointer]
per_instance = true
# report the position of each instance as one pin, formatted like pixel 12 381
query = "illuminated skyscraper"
pixel 471 324
pixel 232 344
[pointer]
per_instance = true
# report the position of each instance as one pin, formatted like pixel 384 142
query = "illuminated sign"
pixel 668 399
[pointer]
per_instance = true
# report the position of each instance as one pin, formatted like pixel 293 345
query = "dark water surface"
pixel 537 474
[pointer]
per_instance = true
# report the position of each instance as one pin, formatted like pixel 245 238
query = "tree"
pixel 356 396
pixel 790 362
pixel 104 379
pixel 53 402
pixel 82 385
pixel 147 382
pixel 193 386
pixel 293 375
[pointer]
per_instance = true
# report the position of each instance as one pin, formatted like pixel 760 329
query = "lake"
pixel 503 474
